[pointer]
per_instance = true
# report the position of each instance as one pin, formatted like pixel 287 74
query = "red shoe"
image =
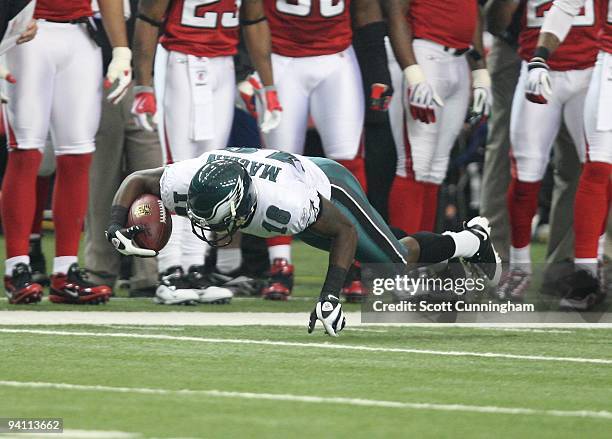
pixel 74 288
pixel 353 288
pixel 280 280
pixel 20 288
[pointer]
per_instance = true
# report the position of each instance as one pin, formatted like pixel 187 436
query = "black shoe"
pixel 174 277
pixel 486 258
pixel 38 264
pixel 581 291
pixel 197 277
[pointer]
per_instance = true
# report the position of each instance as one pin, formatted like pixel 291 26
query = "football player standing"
pixel 317 75
pixel 197 97
pixel 534 126
pixel 435 43
pixel 594 189
pixel 59 88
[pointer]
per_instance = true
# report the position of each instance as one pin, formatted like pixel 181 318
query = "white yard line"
pixel 318 400
pixel 305 345
pixel 186 318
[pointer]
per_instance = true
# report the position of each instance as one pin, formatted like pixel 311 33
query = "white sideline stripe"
pixel 297 319
pixel 318 400
pixel 544 331
pixel 306 345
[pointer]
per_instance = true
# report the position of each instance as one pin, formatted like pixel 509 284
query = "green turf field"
pixel 195 384
pixel 177 381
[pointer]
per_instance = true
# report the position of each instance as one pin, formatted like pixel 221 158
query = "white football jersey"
pixel 288 188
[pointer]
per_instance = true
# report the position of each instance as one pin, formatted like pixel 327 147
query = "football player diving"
pixel 269 193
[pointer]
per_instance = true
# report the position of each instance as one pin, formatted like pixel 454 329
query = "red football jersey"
pixel 202 28
pixel 62 10
pixel 309 27
pixel 605 35
pixel 578 51
pixel 451 23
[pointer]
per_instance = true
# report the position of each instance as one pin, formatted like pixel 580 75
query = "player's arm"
pixel 369 31
pixel 421 95
pixel 146 32
pixel 481 81
pixel 557 24
pixel 258 42
pixel 120 68
pixel 333 224
pixel 498 15
pixel 136 184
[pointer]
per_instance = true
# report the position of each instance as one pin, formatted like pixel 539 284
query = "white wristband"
pixel 122 53
pixel 414 74
pixel 481 78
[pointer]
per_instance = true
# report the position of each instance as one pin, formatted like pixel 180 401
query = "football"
pixel 149 211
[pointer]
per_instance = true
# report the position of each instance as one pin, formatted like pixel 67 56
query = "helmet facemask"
pixel 240 205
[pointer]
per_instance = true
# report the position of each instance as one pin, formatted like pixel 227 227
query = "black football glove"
pixel 329 311
pixel 121 239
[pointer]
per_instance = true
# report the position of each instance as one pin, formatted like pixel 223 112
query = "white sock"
pixel 61 264
pixel 170 255
pixel 9 264
pixel 228 259
pixel 601 247
pixel 521 258
pixel 587 264
pixel 280 251
pixel 34 236
pixel 466 243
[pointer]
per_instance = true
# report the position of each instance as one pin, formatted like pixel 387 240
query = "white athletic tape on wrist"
pixel 414 74
pixel 481 78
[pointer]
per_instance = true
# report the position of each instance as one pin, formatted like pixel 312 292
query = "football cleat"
pixel 74 287
pixel 20 288
pixel 486 260
pixel 580 291
pixel 38 262
pixel 215 295
pixel 280 280
pixel 170 295
pixel 353 290
pixel 174 277
pixel 238 283
pixel 514 285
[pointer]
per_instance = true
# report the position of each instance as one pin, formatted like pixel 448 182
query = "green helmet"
pixel 221 199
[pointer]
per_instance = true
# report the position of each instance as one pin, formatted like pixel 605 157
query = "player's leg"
pixel 418 145
pixel 593 196
pixel 179 141
pixel 533 128
pixel 43 184
pixel 27 117
pixel 450 122
pixel 337 109
pixel 378 244
pixel 78 87
pixel 291 77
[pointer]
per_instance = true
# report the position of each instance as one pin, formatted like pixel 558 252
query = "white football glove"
pixel 119 72
pixel 538 88
pixel 268 108
pixel 122 240
pixel 482 97
pixel 421 95
pixel 144 107
pixel 329 311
